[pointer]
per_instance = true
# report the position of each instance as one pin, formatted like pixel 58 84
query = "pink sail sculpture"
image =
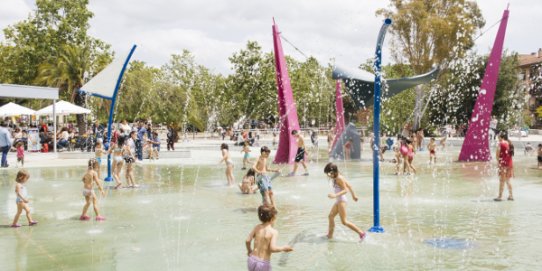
pixel 476 144
pixel 287 109
pixel 339 125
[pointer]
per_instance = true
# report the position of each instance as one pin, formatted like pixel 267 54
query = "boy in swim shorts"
pixel 264 236
pixel 263 181
pixel 300 155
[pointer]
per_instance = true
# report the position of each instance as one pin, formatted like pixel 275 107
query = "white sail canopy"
pixel 104 83
pixel 63 108
pixel 13 109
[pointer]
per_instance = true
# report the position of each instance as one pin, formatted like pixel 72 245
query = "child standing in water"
pixel 229 163
pixel 265 238
pixel 128 154
pixel 263 181
pixel 118 161
pixel 89 179
pixel 341 187
pixel 432 147
pixel 246 150
pixel 22 199
pixel 248 186
pixel 99 151
pixel 300 155
pixel 539 156
pixel 20 153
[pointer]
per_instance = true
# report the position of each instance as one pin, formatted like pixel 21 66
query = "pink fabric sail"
pixel 339 125
pixel 476 144
pixel 287 109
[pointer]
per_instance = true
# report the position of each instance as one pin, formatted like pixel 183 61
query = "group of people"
pixel 261 241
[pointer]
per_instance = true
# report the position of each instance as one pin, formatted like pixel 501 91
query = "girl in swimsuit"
pixel 99 151
pixel 89 179
pixel 248 186
pixel 341 187
pixel 128 154
pixel 22 199
pixel 229 163
pixel 118 161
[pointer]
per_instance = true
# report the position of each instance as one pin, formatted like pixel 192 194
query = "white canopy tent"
pixel 13 109
pixel 63 108
pixel 32 92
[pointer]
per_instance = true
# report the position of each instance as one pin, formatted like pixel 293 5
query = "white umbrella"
pixel 13 109
pixel 63 108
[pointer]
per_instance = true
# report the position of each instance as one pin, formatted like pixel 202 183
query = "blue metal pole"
pixel 376 127
pixel 112 111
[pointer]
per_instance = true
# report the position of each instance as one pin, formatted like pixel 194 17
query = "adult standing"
pixel 5 143
pixel 141 131
pixel 505 151
pixel 171 137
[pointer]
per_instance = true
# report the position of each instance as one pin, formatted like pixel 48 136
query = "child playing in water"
pixel 154 142
pixel 229 163
pixel 246 150
pixel 20 153
pixel 341 187
pixel 248 186
pixel 22 199
pixel 432 147
pixel 118 161
pixel 265 238
pixel 300 155
pixel 99 151
pixel 263 181
pixel 408 157
pixel 539 156
pixel 128 154
pixel 89 179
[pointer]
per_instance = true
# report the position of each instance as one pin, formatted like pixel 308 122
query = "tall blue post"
pixel 376 127
pixel 112 111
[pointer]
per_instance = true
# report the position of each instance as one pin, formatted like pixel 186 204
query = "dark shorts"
pixel 539 159
pixel 300 155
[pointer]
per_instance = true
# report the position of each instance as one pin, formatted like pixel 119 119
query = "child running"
pixel 246 150
pixel 300 155
pixel 432 147
pixel 263 181
pixel 89 179
pixel 22 199
pixel 265 238
pixel 229 163
pixel 341 187
pixel 248 186
pixel 20 153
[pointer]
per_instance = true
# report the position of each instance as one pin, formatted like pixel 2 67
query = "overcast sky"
pixel 344 30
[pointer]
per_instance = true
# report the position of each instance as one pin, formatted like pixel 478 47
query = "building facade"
pixel 531 75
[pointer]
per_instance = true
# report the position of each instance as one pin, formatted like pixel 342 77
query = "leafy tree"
pixel 457 92
pixel 251 89
pixel 53 42
pixel 428 32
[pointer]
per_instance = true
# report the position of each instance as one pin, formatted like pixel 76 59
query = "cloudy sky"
pixel 344 30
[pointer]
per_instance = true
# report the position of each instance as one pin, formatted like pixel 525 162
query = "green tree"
pixel 251 89
pixel 458 90
pixel 53 41
pixel 428 32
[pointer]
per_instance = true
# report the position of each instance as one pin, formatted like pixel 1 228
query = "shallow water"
pixel 185 218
